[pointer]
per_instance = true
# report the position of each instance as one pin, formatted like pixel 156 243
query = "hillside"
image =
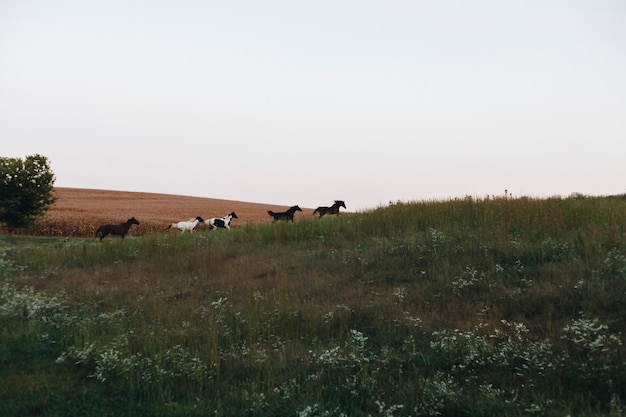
pixel 495 307
pixel 79 212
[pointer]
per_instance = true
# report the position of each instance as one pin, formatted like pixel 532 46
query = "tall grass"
pixel 464 307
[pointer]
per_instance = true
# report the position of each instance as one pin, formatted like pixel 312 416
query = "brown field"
pixel 79 212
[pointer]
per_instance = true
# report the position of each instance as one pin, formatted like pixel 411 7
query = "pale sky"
pixel 305 102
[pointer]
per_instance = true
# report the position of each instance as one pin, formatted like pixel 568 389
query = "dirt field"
pixel 79 212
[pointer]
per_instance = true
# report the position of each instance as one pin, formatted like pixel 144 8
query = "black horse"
pixel 285 215
pixel 334 209
pixel 115 229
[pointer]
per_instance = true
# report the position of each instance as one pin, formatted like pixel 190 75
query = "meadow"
pixel 465 307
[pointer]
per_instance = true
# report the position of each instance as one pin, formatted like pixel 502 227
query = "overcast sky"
pixel 305 102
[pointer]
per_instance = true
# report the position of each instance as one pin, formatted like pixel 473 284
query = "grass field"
pixel 466 307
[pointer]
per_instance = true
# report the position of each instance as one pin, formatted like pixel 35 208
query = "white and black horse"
pixel 186 225
pixel 221 222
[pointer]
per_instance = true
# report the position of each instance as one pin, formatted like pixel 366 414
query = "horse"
pixel 285 215
pixel 186 225
pixel 334 209
pixel 223 222
pixel 116 229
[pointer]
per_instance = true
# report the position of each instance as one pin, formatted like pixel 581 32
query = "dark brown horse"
pixel 285 215
pixel 334 209
pixel 115 229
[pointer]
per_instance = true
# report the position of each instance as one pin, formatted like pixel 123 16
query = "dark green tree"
pixel 25 190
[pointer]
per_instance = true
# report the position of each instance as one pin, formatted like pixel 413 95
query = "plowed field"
pixel 79 212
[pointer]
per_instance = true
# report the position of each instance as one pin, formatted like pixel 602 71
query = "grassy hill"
pixel 468 307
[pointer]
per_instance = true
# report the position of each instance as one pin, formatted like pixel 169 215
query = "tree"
pixel 25 190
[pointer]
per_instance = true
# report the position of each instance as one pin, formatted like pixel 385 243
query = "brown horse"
pixel 285 215
pixel 115 229
pixel 334 209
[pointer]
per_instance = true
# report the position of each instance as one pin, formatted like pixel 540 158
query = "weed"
pixel 461 307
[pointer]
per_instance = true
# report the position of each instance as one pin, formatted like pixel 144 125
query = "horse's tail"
pixel 99 231
pixel 169 226
pixel 271 213
pixel 316 210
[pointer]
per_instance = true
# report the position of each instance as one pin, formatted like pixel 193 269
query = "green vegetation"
pixel 25 190
pixel 470 307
